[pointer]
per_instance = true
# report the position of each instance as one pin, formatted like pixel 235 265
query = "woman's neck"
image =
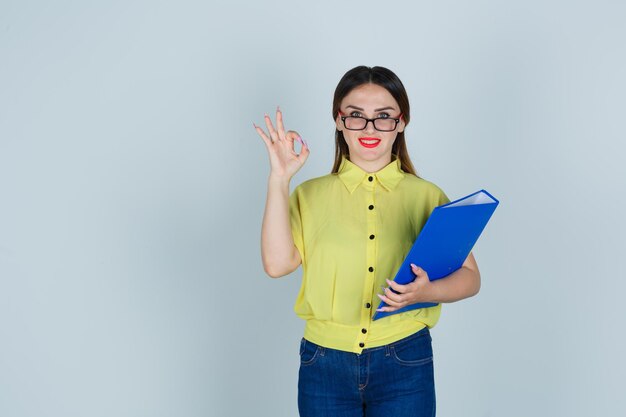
pixel 372 166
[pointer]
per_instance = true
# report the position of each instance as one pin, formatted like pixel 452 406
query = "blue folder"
pixel 445 241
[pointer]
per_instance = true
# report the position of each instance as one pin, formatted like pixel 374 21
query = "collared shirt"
pixel 353 229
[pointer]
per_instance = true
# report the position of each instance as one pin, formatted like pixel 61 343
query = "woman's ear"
pixel 401 125
pixel 338 124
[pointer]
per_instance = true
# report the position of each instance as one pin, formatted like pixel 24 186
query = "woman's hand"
pixel 418 291
pixel 461 284
pixel 284 160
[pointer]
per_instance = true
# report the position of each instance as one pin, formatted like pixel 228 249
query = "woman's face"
pixel 369 148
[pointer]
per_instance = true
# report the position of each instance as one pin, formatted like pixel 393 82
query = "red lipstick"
pixel 369 142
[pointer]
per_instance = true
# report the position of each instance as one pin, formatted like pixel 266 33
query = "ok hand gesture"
pixel 284 160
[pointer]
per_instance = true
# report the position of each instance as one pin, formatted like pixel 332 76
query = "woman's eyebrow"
pixel 382 108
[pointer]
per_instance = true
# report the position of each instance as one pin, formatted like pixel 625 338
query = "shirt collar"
pixel 352 175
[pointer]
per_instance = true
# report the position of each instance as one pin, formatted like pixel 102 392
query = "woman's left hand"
pixel 418 291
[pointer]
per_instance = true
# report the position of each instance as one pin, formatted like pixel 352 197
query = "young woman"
pixel 351 230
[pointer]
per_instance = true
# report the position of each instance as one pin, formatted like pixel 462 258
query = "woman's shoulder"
pixel 424 187
pixel 411 180
pixel 317 183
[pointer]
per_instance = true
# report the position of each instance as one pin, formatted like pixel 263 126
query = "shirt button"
pixel 370 179
pixel 371 237
pixel 371 207
pixel 361 344
pixel 371 269
pixel 363 331
pixel 367 305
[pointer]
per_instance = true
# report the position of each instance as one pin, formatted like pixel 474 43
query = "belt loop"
pixel 322 350
pixel 387 350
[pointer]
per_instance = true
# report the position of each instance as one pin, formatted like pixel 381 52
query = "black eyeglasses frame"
pixel 395 119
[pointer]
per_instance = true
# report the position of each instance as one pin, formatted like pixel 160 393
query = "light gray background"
pixel 132 188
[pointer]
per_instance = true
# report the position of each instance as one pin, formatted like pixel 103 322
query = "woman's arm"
pixel 278 251
pixel 462 283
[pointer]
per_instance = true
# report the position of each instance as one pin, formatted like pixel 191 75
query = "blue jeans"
pixel 392 380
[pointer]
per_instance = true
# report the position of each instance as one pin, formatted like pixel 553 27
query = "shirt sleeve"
pixel 295 219
pixel 443 198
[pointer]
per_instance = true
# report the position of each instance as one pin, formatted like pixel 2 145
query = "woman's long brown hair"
pixel 388 80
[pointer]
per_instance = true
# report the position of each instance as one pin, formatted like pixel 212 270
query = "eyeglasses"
pixel 382 124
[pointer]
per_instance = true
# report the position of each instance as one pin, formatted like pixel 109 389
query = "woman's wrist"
pixel 281 180
pixel 434 292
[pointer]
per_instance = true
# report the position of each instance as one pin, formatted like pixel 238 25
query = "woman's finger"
pixel 386 309
pixel 399 288
pixel 304 152
pixel 389 301
pixel 261 133
pixel 279 124
pixel 290 137
pixel 419 272
pixel 397 298
pixel 270 128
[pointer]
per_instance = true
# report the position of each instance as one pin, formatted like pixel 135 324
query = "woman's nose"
pixel 369 127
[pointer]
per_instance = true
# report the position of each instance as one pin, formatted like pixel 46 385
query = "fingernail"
pixel 299 139
pixel 388 282
pixel 380 309
pixel 305 144
pixel 253 124
pixel 277 108
pixel 379 296
pixel 266 115
pixel 413 265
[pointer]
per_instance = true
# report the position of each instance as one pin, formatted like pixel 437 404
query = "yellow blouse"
pixel 353 230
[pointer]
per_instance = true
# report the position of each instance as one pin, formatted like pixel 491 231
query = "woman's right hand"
pixel 284 160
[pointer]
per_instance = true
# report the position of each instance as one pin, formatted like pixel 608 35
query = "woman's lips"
pixel 369 142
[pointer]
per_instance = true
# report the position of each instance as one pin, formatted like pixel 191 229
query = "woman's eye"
pixel 383 115
pixel 355 114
